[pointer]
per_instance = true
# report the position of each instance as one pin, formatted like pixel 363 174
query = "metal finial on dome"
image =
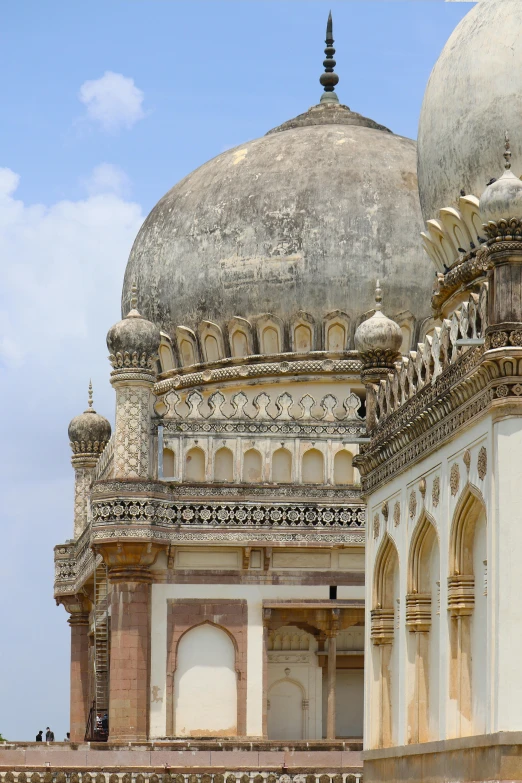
pixel 329 79
pixel 378 296
pixel 134 296
pixel 90 394
pixel 507 153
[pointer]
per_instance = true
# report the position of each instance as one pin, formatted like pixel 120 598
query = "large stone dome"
pixel 304 218
pixel 473 97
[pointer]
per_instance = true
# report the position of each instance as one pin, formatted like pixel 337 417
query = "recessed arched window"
pixel 195 465
pixel 205 684
pixel 313 467
pixel 224 465
pixel 252 466
pixel 169 463
pixel 343 467
pixel 282 466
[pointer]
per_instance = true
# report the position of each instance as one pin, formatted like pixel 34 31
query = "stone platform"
pixel 180 761
pixel 489 757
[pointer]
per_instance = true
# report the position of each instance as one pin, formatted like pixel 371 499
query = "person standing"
pixel 39 736
pixel 49 735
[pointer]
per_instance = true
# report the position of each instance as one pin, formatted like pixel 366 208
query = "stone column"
pixel 332 670
pixel 83 465
pixel 80 699
pixel 133 457
pixel 130 653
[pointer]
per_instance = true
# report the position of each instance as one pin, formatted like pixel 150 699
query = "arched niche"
pixel 224 465
pixel 195 464
pixel 384 652
pixel 240 337
pixel 166 355
pixel 211 339
pixel 312 468
pixel 270 334
pixel 467 604
pixel 252 466
pixel 285 717
pixel 336 329
pixel 282 466
pixel 302 333
pixel 205 684
pixel 343 467
pixel 423 622
pixel 169 463
pixel 406 321
pixel 187 346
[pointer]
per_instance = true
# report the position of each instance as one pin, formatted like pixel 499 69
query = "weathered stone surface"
pixel 473 96
pixel 301 219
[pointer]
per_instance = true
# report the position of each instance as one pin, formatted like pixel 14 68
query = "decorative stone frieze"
pixel 187 491
pixel 290 365
pixel 260 406
pixel 157 512
pixel 461 595
pixel 418 612
pixel 382 626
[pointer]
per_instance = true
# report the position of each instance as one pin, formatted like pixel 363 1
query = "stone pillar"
pixel 83 465
pixel 130 653
pixel 332 670
pixel 133 453
pixel 80 700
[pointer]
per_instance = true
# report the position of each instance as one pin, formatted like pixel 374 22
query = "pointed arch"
pixel 467 605
pixel 470 506
pixel 385 563
pixel 424 535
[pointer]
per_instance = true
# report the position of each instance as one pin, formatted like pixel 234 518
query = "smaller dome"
pixel 89 432
pixel 378 334
pixel 502 200
pixel 134 334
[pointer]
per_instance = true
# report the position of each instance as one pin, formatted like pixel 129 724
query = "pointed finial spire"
pixel 90 394
pixel 329 78
pixel 134 296
pixel 507 153
pixel 378 297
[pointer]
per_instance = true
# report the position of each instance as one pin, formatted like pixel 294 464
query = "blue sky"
pixel 105 106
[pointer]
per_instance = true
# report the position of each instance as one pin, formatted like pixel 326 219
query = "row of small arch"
pixel 269 335
pixel 312 467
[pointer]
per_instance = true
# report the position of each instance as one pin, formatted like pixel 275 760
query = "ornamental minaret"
pixel 378 340
pixel 89 433
pixel 133 344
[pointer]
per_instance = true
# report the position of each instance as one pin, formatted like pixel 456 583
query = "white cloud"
pixel 62 267
pixel 113 101
pixel 61 275
pixel 107 178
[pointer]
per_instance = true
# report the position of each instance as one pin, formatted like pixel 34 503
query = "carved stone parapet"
pixel 215 514
pixel 382 626
pixel 418 612
pixel 461 595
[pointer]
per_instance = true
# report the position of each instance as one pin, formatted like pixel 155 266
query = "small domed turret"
pixel 89 432
pixel 379 335
pixel 134 341
pixel 502 200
